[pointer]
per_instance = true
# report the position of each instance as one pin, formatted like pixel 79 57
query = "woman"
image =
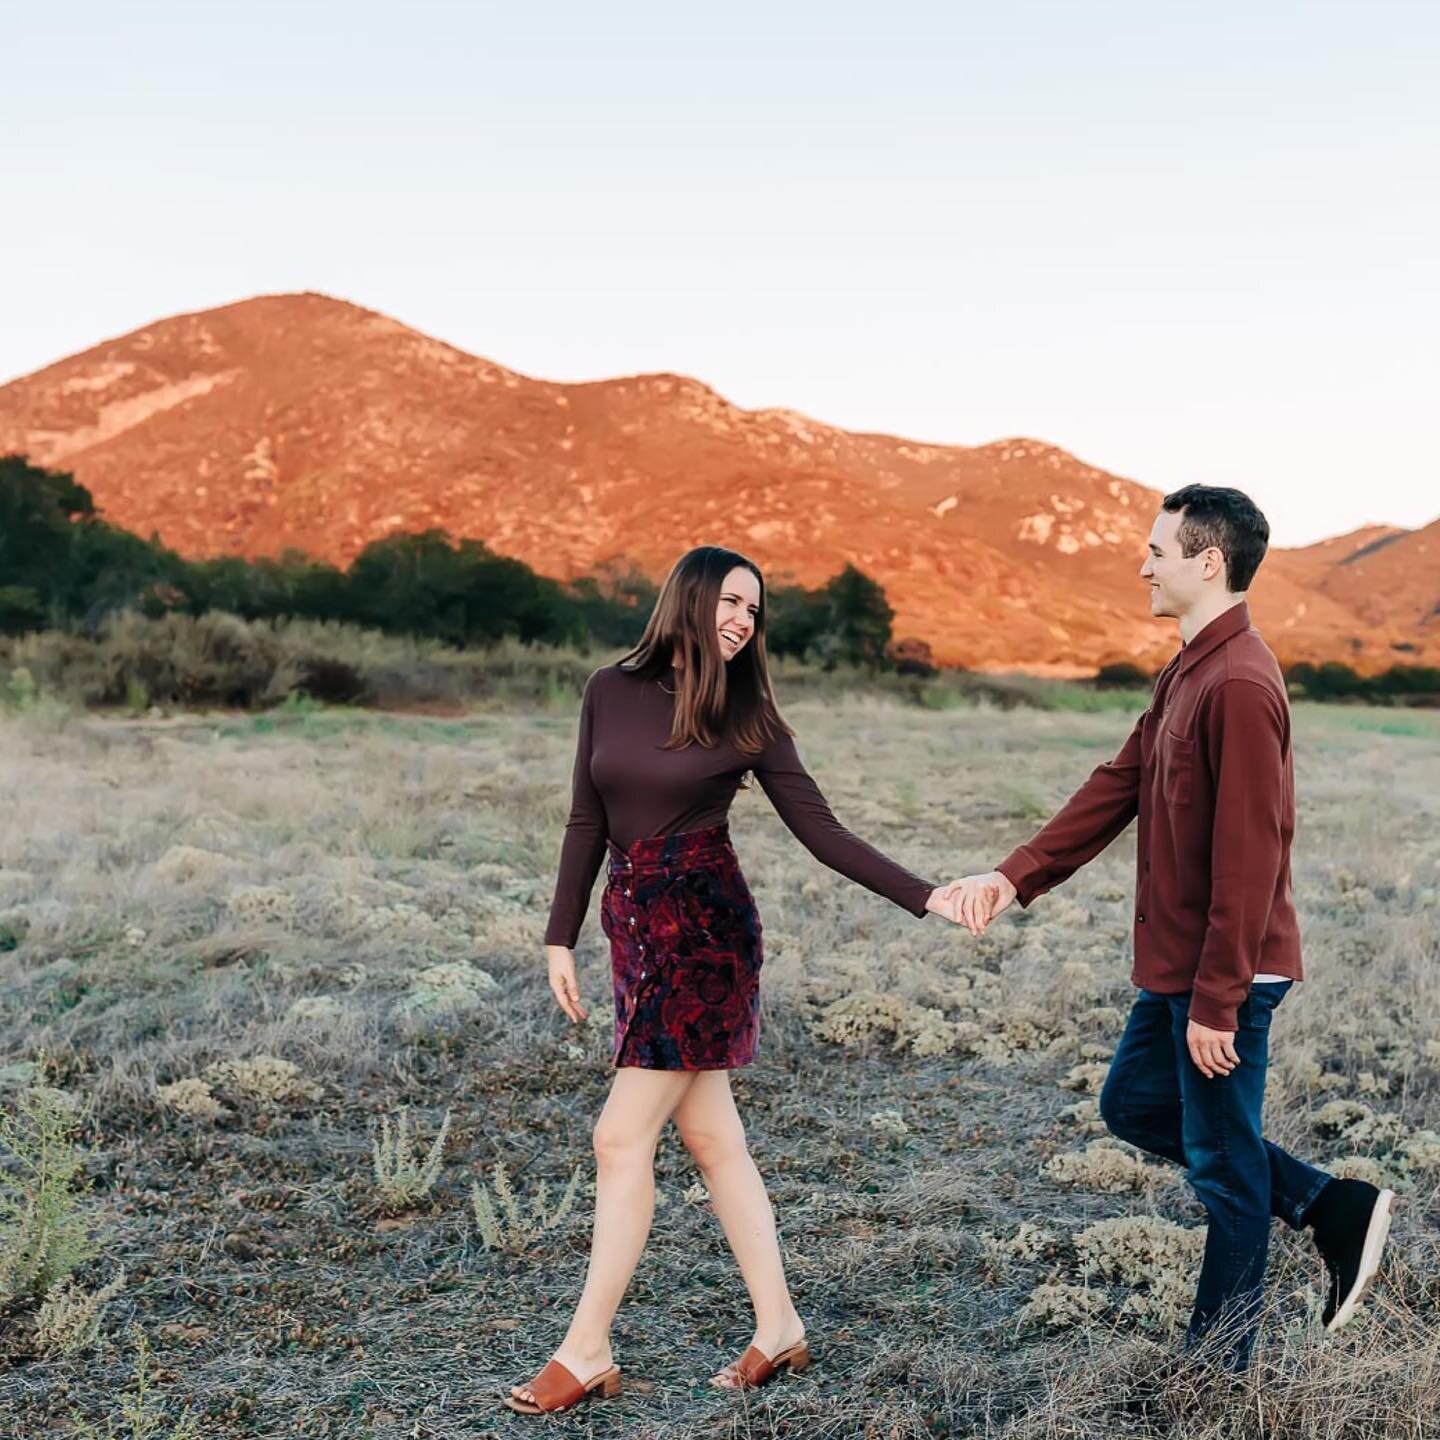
pixel 666 737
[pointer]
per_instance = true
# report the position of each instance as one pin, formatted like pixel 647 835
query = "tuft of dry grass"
pixel 1103 1164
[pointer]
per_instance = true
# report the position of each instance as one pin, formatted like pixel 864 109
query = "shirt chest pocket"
pixel 1177 768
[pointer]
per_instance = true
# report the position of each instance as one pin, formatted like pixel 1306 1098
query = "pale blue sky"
pixel 1185 241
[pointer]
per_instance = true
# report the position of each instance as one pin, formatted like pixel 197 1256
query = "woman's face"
pixel 737 611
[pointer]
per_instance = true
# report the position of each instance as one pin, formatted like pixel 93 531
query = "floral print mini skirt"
pixel 685 952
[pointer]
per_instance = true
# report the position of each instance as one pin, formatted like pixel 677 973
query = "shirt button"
pixel 1140 918
pixel 632 919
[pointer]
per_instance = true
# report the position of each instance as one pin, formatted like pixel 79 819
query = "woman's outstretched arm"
pixel 805 811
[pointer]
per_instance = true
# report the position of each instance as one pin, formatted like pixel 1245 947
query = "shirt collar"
pixel 1222 628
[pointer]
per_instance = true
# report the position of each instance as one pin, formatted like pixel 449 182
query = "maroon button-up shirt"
pixel 1208 770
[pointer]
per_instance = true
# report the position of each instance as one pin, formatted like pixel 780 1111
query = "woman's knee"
pixel 712 1146
pixel 618 1144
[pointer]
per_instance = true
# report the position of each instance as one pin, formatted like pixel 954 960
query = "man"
pixel 1208 771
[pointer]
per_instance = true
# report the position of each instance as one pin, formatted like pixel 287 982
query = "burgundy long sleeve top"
pixel 1208 770
pixel 626 786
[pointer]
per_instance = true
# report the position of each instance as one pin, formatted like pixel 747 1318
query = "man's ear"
pixel 1214 562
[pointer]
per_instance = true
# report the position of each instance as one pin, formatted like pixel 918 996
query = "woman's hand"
pixel 940 903
pixel 563 984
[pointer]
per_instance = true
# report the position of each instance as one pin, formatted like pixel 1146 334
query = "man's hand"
pixel 563 984
pixel 940 903
pixel 978 899
pixel 1213 1051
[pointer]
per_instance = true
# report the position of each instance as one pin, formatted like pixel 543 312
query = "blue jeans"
pixel 1155 1098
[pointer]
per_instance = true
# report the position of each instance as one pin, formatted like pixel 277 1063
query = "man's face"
pixel 1176 584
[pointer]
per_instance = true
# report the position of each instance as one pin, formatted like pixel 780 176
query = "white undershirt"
pixel 1262 979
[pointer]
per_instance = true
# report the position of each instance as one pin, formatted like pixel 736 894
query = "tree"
pixel 610 608
pixel 268 589
pixel 847 621
pixel 796 619
pixel 114 570
pixel 38 510
pixel 861 617
pixel 21 609
pixel 1121 675
pixel 460 592
pixel 59 561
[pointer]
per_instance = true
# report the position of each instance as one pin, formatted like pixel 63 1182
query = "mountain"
pixel 1392 579
pixel 300 421
pixel 1313 561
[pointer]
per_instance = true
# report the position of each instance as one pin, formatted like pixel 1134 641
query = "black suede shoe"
pixel 1351 1220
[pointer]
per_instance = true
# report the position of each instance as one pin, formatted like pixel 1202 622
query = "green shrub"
pixel 21 610
pixel 140 1415
pixel 43 1232
pixel 329 680
pixel 847 621
pixel 1122 675
pixel 20 692
pixel 1414 684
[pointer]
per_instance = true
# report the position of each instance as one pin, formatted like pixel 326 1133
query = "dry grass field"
pixel 246 946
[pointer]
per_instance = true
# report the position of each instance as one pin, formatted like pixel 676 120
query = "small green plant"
pixel 70 1318
pixel 1020 801
pixel 43 1232
pixel 20 691
pixel 137 695
pixel 300 703
pixel 558 693
pixel 402 1177
pixel 141 1415
pixel 504 1221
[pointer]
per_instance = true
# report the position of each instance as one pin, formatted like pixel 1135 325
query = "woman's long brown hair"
pixel 715 699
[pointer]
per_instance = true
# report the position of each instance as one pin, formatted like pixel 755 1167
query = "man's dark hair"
pixel 1227 519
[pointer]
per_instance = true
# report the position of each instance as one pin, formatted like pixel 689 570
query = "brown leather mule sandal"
pixel 754 1367
pixel 555 1388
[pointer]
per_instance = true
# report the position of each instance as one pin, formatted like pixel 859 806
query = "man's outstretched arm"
pixel 1087 822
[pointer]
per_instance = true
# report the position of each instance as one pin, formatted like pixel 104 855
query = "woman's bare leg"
pixel 640 1103
pixel 713 1133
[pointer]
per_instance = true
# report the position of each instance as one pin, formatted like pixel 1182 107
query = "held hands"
pixel 563 984
pixel 974 901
